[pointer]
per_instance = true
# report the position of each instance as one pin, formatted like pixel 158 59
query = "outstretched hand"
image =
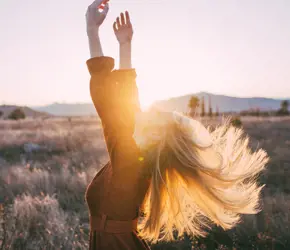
pixel 123 28
pixel 94 16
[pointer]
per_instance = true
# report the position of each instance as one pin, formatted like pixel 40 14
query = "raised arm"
pixel 95 17
pixel 99 66
pixel 124 33
pixel 114 92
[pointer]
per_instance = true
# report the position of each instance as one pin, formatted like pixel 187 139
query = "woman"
pixel 170 167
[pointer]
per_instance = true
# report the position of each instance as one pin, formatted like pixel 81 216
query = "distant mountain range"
pixel 224 103
pixel 60 109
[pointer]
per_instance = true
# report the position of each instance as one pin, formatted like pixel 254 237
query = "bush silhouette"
pixel 210 113
pixel 193 104
pixel 217 112
pixel 236 122
pixel 16 114
pixel 284 108
pixel 202 107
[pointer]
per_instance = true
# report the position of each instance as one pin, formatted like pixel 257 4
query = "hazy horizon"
pixel 90 102
pixel 233 48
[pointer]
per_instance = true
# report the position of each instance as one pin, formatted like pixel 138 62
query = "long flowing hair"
pixel 198 177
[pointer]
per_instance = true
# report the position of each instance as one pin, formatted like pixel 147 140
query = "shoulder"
pixel 124 75
pixel 103 64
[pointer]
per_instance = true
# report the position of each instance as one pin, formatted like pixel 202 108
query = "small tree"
pixel 285 105
pixel 217 112
pixel 284 108
pixel 193 104
pixel 202 107
pixel 209 107
pixel 17 114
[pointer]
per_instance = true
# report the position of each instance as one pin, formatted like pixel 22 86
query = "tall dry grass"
pixel 45 166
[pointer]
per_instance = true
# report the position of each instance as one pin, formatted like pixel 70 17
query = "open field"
pixel 45 166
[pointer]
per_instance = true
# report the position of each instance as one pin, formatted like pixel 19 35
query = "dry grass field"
pixel 45 166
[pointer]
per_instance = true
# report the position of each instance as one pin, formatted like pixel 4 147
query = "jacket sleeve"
pixel 115 97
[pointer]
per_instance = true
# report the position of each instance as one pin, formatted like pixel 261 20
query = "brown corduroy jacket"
pixel 117 191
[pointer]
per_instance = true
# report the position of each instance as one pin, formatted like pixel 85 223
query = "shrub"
pixel 17 114
pixel 284 108
pixel 236 122
pixel 39 223
pixel 282 112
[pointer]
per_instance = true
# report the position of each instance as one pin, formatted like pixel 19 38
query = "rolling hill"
pixel 7 109
pixel 61 109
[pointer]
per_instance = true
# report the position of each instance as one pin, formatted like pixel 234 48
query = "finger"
pixel 123 19
pixel 115 27
pixel 106 8
pixel 118 22
pixel 101 3
pixel 128 21
pixel 95 4
pixel 103 7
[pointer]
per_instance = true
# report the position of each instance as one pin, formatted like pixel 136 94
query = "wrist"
pixel 95 44
pixel 125 48
pixel 125 55
pixel 125 44
pixel 93 31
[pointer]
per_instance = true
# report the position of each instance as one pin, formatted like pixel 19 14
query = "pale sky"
pixel 231 47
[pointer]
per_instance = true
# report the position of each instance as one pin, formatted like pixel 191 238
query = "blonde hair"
pixel 196 181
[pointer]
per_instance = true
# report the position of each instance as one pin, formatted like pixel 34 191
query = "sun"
pixel 145 100
pixel 149 89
